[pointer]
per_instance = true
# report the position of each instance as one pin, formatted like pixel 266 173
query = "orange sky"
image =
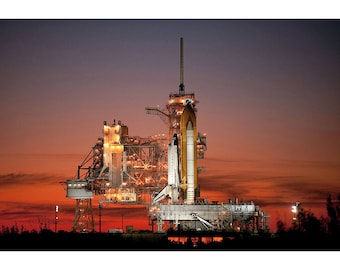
pixel 268 96
pixel 28 198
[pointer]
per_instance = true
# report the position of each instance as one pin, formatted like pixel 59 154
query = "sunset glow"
pixel 268 93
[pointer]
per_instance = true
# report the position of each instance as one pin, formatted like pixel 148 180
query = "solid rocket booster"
pixel 173 178
pixel 190 164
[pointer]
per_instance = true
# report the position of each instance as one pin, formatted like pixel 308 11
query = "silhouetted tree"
pixel 4 230
pixel 309 224
pixel 14 229
pixel 338 207
pixel 333 216
pixel 281 227
pixel 189 243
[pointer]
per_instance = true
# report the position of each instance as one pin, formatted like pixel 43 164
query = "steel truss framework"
pixel 209 217
pixel 83 217
pixel 136 169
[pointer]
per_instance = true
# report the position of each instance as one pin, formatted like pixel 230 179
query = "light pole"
pixel 56 218
pixel 123 222
pixel 295 211
pixel 100 217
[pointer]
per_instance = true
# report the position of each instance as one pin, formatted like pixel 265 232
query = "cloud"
pixel 271 183
pixel 45 163
pixel 21 179
pixel 34 215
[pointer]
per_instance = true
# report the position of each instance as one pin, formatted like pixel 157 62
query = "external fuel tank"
pixel 188 153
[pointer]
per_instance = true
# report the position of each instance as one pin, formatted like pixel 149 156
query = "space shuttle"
pixel 182 167
pixel 171 190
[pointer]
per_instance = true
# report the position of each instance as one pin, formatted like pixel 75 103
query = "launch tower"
pixel 188 210
pixel 159 171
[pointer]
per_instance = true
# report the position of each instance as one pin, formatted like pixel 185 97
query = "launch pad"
pixel 159 171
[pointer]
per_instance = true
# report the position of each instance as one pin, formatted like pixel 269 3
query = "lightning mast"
pixel 181 75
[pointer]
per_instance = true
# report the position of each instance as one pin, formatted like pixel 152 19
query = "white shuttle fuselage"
pixel 171 190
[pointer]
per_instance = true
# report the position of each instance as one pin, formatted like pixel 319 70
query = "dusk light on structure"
pixel 159 171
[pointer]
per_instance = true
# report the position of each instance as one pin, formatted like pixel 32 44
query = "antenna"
pixel 181 85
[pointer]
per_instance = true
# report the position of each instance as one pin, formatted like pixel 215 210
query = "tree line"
pixel 306 232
